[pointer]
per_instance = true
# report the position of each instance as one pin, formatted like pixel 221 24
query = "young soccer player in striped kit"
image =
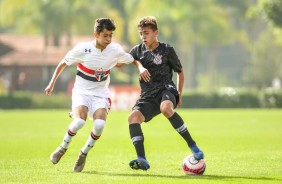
pixel 90 94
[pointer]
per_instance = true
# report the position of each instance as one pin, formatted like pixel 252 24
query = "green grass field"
pixel 240 146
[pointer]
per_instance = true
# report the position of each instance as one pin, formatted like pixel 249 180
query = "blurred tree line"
pixel 220 42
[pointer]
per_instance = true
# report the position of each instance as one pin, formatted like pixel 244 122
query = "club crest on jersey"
pixel 99 74
pixel 157 59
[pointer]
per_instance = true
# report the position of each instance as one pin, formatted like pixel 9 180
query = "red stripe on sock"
pixel 95 136
pixel 71 133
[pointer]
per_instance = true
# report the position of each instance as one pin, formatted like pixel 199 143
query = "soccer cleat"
pixel 140 163
pixel 57 154
pixel 80 162
pixel 198 154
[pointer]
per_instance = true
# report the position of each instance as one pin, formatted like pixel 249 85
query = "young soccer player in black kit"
pixel 158 91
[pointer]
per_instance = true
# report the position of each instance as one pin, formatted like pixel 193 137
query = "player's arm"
pixel 180 83
pixel 143 72
pixel 60 67
pixel 118 65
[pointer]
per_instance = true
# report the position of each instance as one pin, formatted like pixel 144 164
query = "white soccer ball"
pixel 191 166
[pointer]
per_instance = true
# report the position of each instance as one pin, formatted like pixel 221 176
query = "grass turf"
pixel 240 146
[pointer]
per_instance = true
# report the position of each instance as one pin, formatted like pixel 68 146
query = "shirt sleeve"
pixel 74 55
pixel 134 53
pixel 174 60
pixel 124 57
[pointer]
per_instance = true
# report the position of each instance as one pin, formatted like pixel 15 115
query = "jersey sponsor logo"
pixel 157 59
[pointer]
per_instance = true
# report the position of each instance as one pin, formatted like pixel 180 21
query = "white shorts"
pixel 91 102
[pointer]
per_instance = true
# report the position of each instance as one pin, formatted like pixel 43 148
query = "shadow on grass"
pixel 209 177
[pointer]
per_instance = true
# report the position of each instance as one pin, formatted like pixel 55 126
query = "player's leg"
pixel 99 123
pixel 167 108
pixel 100 109
pixel 80 115
pixel 135 119
pixel 95 134
pixel 142 111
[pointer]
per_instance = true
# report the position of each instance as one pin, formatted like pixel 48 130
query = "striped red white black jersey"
pixel 93 66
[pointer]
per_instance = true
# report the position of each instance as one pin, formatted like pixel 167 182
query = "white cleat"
pixel 57 154
pixel 80 162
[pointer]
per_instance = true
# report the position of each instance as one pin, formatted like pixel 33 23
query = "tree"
pixel 265 54
pixel 273 10
pixel 188 25
pixel 265 64
pixel 52 19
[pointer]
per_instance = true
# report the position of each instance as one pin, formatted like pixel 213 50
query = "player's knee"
pixel 131 118
pixel 135 117
pixel 166 110
pixel 99 124
pixel 76 124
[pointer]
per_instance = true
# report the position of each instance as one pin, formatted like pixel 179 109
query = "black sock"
pixel 137 138
pixel 178 124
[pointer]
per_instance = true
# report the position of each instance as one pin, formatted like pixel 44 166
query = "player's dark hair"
pixel 104 23
pixel 149 21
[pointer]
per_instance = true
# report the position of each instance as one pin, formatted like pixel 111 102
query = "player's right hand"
pixel 48 90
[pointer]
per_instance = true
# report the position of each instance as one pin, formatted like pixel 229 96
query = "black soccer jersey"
pixel 160 63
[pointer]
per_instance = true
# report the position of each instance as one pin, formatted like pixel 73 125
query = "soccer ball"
pixel 191 166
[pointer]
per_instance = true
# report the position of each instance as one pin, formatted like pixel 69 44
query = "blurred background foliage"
pixel 234 43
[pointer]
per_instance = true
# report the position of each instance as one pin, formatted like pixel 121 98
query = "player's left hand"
pixel 144 74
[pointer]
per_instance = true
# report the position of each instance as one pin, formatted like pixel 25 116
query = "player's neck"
pixel 153 46
pixel 101 47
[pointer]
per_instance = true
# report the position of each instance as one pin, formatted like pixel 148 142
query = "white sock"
pixel 94 135
pixel 75 125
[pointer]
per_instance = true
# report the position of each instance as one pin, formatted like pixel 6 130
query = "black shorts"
pixel 150 107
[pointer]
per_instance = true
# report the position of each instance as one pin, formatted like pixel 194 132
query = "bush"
pixel 58 101
pixel 15 101
pixel 196 100
pixel 221 100
pixel 248 100
pixel 272 98
pixel 27 100
pixel 268 98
